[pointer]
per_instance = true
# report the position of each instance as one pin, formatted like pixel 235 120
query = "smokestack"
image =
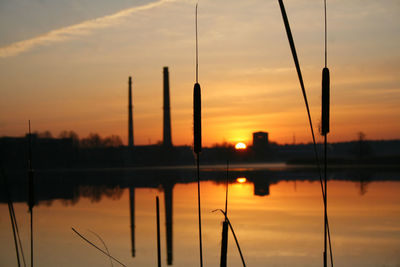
pixel 130 119
pixel 167 142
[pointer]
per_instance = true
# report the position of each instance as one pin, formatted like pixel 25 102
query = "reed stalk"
pixel 325 126
pixel 96 247
pixel 234 236
pixel 104 244
pixel 31 196
pixel 325 109
pixel 324 132
pixel 224 241
pixel 14 224
pixel 197 134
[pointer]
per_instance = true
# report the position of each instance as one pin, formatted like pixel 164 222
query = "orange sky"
pixel 65 67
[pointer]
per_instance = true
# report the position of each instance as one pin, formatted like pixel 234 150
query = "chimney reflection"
pixel 132 212
pixel 363 187
pixel 168 219
pixel 241 180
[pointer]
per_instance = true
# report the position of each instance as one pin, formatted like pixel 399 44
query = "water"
pixel 276 215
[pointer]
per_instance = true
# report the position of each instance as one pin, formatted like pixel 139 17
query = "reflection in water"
pixel 293 203
pixel 132 213
pixel 363 187
pixel 241 180
pixel 70 186
pixel 168 220
pixel 261 188
pixel 168 189
pixel 94 193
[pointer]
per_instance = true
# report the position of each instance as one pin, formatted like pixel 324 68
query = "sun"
pixel 240 145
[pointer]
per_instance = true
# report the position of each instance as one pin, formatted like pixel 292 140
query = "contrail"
pixel 73 31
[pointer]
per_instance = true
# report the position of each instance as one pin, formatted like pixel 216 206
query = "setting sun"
pixel 240 145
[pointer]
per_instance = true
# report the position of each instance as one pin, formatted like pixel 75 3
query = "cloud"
pixel 73 31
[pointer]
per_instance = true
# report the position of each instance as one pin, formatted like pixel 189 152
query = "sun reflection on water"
pixel 241 180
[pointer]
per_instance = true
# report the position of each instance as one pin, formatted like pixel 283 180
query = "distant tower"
pixel 167 142
pixel 260 139
pixel 130 120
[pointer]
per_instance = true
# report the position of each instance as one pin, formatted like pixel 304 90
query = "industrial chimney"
pixel 167 142
pixel 130 119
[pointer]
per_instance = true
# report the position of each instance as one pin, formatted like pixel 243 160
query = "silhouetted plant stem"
pixel 226 188
pixel 325 202
pixel 102 251
pixel 197 134
pixel 14 218
pixel 19 238
pixel 325 113
pixel 197 49
pixel 234 236
pixel 14 227
pixel 296 62
pixel 31 238
pixel 199 207
pixel 224 241
pixel 297 65
pixel 325 131
pixel 31 198
pixel 104 244
pixel 12 215
pixel 330 245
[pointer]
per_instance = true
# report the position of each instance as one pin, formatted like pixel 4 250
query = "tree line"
pixel 92 140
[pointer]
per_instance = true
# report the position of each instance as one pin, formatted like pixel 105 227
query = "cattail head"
pixel 31 190
pixel 197 118
pixel 224 243
pixel 325 102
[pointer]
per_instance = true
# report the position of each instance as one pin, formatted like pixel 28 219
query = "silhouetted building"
pixel 260 139
pixel 167 142
pixel 130 119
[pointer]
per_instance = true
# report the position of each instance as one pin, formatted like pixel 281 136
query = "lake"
pixel 276 212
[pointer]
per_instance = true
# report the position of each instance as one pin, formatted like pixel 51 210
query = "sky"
pixel 64 65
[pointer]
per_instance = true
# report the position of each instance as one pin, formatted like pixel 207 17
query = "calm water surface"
pixel 276 214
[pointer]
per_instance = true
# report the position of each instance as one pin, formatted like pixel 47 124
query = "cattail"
pixel 197 118
pixel 224 243
pixel 31 188
pixel 325 109
pixel 31 197
pixel 325 102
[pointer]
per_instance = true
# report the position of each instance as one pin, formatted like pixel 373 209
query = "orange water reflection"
pixel 283 228
pixel 241 180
